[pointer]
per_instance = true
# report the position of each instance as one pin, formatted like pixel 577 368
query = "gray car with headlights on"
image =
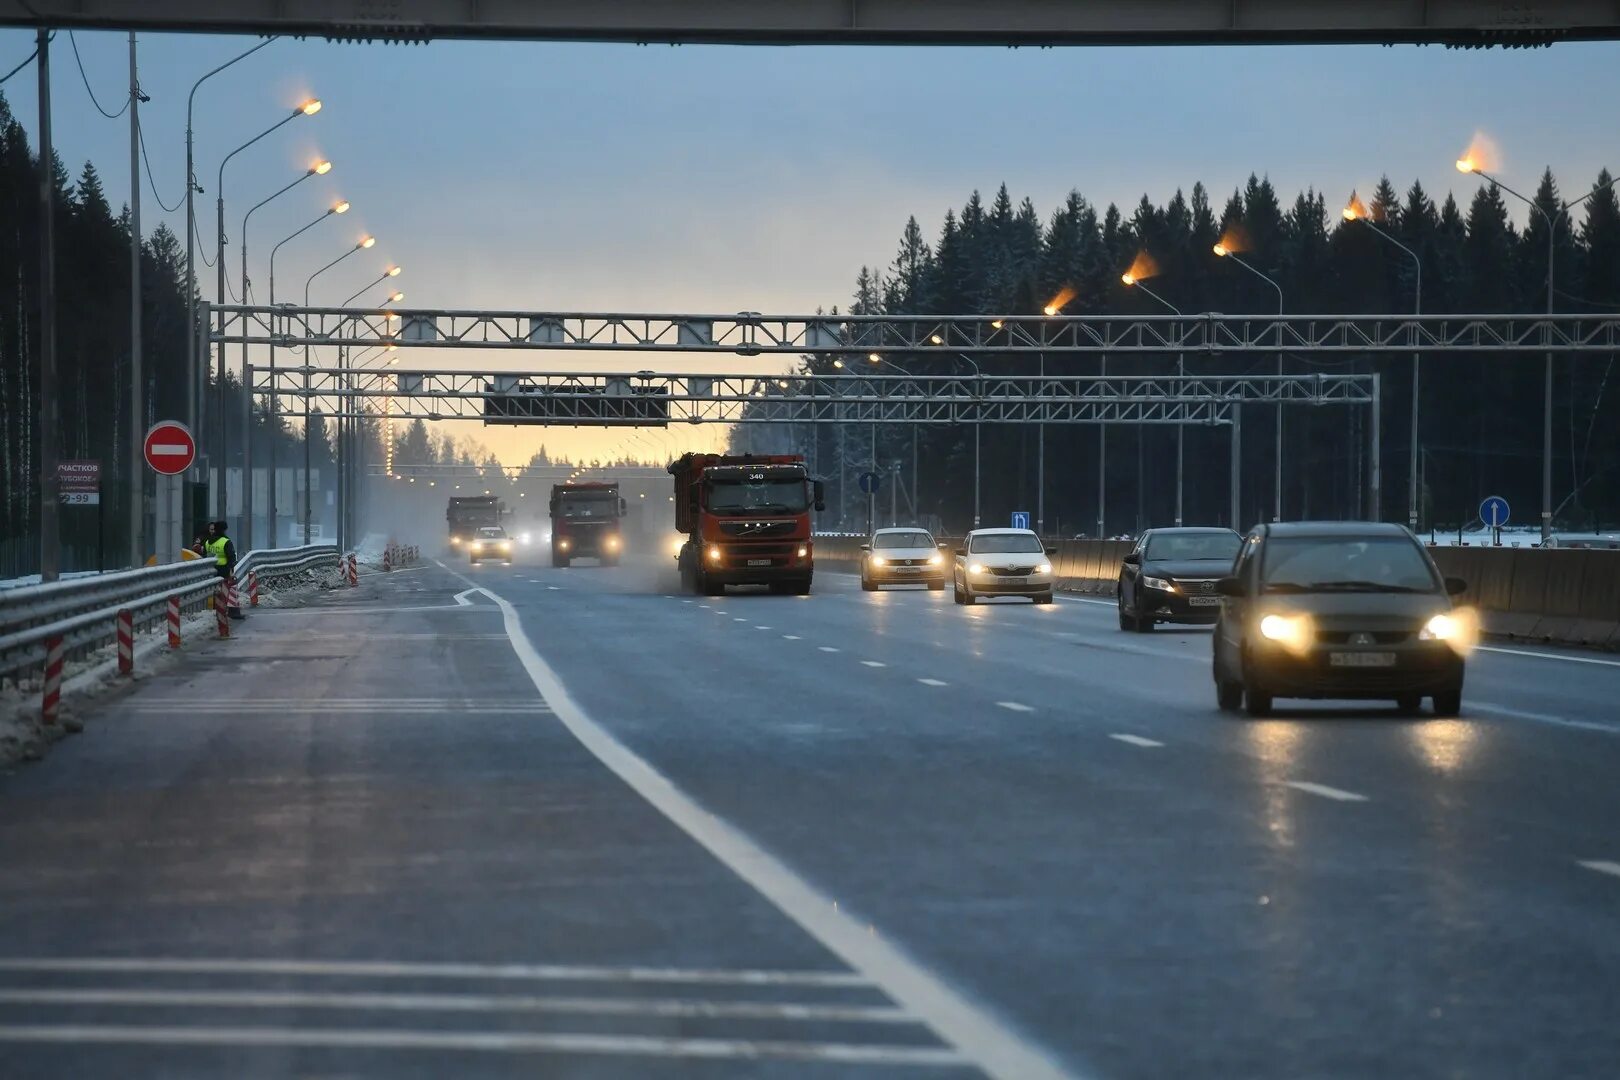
pixel 1343 610
pixel 1003 562
pixel 902 556
pixel 490 544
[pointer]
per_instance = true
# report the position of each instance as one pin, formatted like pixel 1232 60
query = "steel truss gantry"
pixel 753 334
pixel 646 399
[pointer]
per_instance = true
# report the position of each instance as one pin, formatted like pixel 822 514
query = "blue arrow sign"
pixel 869 483
pixel 1494 511
pixel 1020 519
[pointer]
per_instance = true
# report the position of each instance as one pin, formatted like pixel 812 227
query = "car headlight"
pixel 878 560
pixel 478 545
pixel 1292 632
pixel 1044 568
pixel 976 568
pixel 1162 584
pixel 1458 629
pixel 524 538
pixel 455 541
pixel 715 553
pixel 506 545
pixel 934 559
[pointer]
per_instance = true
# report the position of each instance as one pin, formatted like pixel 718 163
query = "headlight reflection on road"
pixel 1444 745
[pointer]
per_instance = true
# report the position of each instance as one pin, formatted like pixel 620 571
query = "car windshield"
pixel 1189 547
pixel 1009 543
pixel 758 496
pixel 1345 564
pixel 593 505
pixel 889 540
pixel 491 533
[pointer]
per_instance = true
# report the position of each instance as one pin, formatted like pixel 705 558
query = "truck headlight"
pixel 613 543
pixel 524 538
pixel 455 541
pixel 715 553
pixel 1162 584
pixel 563 545
pixel 804 551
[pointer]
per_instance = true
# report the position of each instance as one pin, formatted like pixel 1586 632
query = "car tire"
pixel 1228 695
pixel 1409 703
pixel 1144 624
pixel 868 585
pixel 1044 598
pixel 1448 703
pixel 936 586
pixel 1127 623
pixel 1256 703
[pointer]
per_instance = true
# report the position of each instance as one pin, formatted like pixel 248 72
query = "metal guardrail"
pixel 83 611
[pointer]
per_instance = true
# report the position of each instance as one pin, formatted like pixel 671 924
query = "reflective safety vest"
pixel 216 548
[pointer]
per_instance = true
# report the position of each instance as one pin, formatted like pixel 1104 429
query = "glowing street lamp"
pixel 1131 280
pixel 1227 249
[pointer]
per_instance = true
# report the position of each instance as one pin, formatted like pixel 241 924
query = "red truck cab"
pixel 746 520
pixel 585 520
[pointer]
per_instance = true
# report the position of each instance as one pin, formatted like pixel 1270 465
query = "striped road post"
pixel 126 642
pixel 174 622
pixel 253 588
pixel 354 570
pixel 53 680
pixel 222 604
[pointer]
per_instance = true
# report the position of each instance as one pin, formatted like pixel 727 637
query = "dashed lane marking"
pixel 873 663
pixel 1016 706
pixel 1326 792
pixel 1137 740
pixel 826 648
pixel 791 637
pixel 461 1003
pixel 1602 866
pixel 739 620
pixel 384 969
pixel 485 1041
pixel 933 682
pixel 975 1034
pixel 761 628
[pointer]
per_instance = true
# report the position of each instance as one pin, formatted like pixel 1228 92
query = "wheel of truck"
pixel 610 560
pixel 801 588
pixel 558 559
pixel 708 587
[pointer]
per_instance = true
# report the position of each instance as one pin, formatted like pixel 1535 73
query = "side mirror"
pixel 820 492
pixel 1231 586
pixel 1133 558
pixel 962 552
pixel 1456 586
pixel 623 509
pixel 944 547
pixel 866 547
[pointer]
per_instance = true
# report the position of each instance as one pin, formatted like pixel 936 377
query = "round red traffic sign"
pixel 170 449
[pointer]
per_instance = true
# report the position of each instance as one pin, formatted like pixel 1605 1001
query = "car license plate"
pixel 1203 601
pixel 905 570
pixel 1013 580
pixel 759 562
pixel 1361 659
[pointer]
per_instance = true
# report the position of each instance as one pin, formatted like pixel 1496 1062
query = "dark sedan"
pixel 1170 577
pixel 1352 610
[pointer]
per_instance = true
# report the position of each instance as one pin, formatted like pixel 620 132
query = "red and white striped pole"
pixel 174 622
pixel 253 588
pixel 354 571
pixel 222 600
pixel 387 562
pixel 126 642
pixel 53 680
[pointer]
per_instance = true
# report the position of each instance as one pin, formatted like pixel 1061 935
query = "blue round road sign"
pixel 869 483
pixel 1494 511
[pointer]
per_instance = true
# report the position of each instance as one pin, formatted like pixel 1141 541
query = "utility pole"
pixel 133 464
pixel 49 507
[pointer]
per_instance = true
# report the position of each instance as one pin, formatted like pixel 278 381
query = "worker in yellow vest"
pixel 222 551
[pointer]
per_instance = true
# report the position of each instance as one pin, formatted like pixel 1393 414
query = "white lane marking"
pixel 1541 718
pixel 1136 740
pixel 873 663
pixel 487 1041
pixel 1547 656
pixel 761 628
pixel 717 611
pixel 1325 791
pixel 981 1037
pixel 688 602
pixel 739 620
pixel 1602 866
pixel 791 637
pixel 603 1006
pixel 311 707
pixel 933 682
pixel 371 969
pixel 1015 706
pixel 826 648
pixel 461 597
pixel 1085 600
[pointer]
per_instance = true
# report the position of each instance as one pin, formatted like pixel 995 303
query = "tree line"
pixel 1481 426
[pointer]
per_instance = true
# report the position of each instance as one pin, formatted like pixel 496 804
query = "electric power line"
pixel 73 41
pixel 19 67
pixel 140 131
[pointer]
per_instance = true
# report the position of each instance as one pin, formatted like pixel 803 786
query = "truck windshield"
pixel 758 497
pixel 588 506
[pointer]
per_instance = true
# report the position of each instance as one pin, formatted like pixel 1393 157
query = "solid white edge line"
pixel 1547 656
pixel 984 1039
pixel 486 1041
pixel 1137 740
pixel 1539 718
pixel 1602 866
pixel 1326 792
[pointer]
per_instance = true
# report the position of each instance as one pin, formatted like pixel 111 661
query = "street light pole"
pixel 137 430
pixel 1131 280
pixel 1351 213
pixel 308 108
pixel 340 207
pixel 1467 165
pixel 977 422
pixel 365 242
pixel 1227 253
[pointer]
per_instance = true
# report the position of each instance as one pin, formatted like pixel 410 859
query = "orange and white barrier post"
pixel 253 588
pixel 174 622
pixel 126 642
pixel 354 570
pixel 53 680
pixel 388 562
pixel 222 601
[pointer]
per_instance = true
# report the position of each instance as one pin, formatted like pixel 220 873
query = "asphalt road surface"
pixel 523 821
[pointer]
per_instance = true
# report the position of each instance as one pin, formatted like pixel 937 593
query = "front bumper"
pixel 1179 607
pixel 992 585
pixel 496 554
pixel 757 564
pixel 1420 667
pixel 902 575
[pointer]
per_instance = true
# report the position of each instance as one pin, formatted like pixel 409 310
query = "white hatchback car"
pixel 1003 562
pixel 902 556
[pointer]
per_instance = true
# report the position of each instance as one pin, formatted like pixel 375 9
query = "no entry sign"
pixel 170 449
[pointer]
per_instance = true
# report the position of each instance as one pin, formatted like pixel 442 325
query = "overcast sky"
pixel 616 177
